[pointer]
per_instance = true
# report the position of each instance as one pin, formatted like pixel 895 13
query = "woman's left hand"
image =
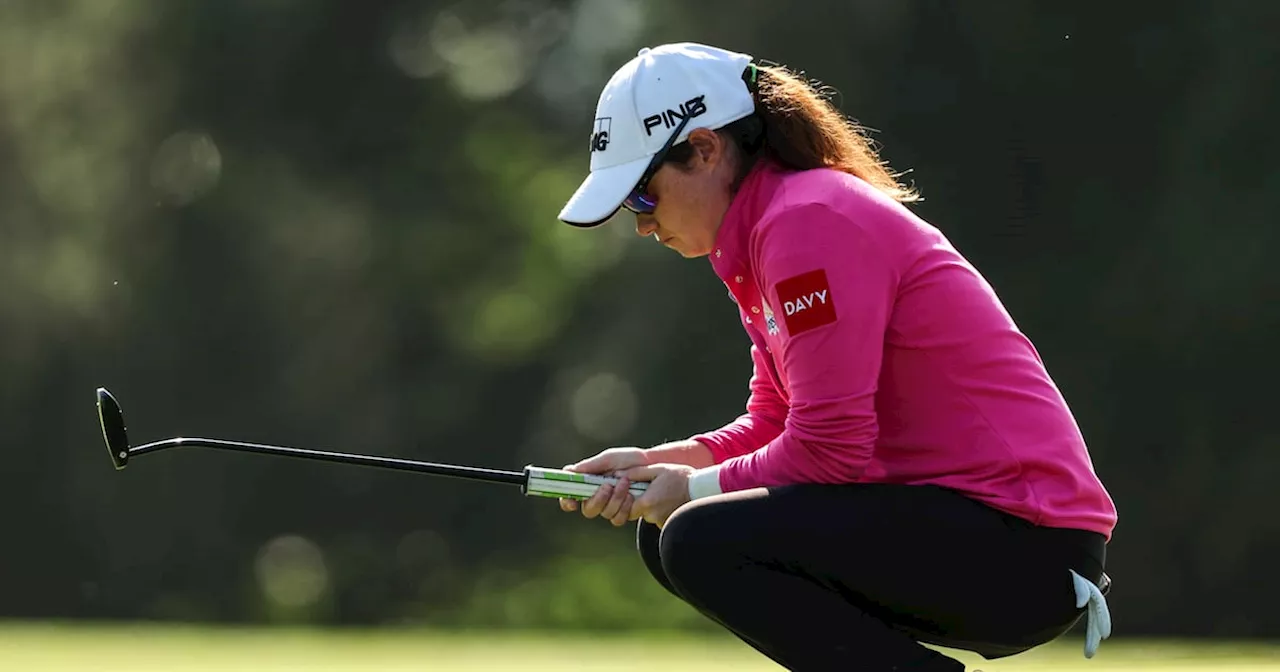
pixel 668 490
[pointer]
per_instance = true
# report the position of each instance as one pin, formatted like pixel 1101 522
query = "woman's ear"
pixel 708 146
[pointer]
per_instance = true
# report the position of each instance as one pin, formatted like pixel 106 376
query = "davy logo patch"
pixel 806 302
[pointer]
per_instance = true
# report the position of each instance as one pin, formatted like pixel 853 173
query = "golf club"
pixel 533 481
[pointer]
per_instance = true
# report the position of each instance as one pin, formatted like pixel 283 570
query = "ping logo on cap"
pixel 694 107
pixel 600 136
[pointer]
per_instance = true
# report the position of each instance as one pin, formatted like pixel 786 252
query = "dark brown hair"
pixel 796 126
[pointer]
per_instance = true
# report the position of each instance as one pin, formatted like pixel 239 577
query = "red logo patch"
pixel 806 302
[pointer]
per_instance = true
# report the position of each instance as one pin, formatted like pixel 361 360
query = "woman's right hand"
pixel 613 502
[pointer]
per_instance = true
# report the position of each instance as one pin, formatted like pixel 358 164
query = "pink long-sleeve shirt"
pixel 882 356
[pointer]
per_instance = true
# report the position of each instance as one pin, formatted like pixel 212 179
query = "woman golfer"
pixel 905 470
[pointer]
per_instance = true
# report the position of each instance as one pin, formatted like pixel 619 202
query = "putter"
pixel 533 481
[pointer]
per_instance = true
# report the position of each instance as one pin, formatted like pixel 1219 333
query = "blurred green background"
pixel 333 224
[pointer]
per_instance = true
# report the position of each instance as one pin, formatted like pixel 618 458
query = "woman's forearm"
pixel 689 452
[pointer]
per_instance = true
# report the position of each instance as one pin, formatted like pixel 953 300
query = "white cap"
pixel 644 98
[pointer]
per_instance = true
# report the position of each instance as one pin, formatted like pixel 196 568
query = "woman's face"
pixel 691 198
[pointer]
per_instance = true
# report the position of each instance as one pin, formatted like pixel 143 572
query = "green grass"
pixel 147 648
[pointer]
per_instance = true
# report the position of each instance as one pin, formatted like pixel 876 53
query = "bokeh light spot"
pixel 291 572
pixel 604 407
pixel 186 166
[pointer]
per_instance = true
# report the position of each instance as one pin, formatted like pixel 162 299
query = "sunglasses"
pixel 639 201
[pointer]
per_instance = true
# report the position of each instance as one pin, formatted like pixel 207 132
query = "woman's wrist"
pixel 704 482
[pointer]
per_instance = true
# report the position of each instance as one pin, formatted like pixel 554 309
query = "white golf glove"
pixel 1098 627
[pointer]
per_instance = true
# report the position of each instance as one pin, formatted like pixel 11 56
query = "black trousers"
pixel 855 577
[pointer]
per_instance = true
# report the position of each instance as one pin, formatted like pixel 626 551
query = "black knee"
pixel 648 538
pixel 693 550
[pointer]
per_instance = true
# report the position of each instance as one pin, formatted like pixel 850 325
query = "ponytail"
pixel 796 126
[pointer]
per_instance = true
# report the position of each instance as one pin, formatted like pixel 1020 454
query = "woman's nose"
pixel 645 225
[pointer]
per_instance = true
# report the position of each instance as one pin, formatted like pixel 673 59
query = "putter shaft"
pixel 393 463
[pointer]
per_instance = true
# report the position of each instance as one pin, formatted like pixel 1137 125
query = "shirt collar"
pixel 730 258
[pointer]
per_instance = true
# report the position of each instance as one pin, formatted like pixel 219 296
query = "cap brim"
pixel 602 193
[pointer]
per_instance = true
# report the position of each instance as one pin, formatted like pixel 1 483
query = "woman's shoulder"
pixel 835 190
pixel 839 196
pixel 841 209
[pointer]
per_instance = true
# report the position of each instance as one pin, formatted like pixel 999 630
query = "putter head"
pixel 113 432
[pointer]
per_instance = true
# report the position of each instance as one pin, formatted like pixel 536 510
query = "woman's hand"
pixel 613 503
pixel 668 490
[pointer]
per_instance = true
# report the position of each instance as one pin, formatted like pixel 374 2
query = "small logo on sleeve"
pixel 806 302
pixel 770 322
